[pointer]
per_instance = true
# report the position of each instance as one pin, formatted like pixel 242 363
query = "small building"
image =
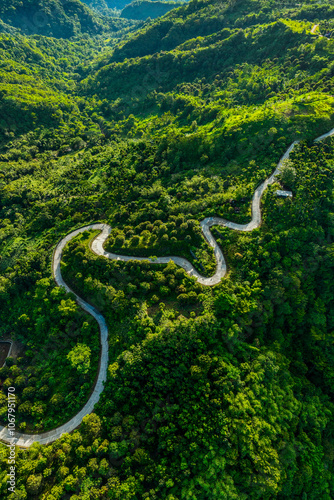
pixel 283 194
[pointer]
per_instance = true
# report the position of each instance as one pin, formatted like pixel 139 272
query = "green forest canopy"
pixel 222 392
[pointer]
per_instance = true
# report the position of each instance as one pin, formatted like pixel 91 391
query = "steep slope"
pixel 36 82
pixel 54 18
pixel 143 9
pixel 206 17
pixel 99 5
pixel 223 89
pixel 5 28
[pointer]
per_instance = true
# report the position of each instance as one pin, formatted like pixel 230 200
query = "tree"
pixel 79 358
pixel 288 174
pixel 34 483
pixel 91 426
pixel 67 308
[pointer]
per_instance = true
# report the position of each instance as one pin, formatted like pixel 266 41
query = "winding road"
pixel 25 440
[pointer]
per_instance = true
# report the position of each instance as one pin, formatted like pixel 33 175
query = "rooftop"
pixel 284 194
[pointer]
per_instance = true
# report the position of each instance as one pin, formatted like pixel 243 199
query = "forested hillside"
pixel 143 9
pixel 100 5
pixel 222 392
pixel 59 18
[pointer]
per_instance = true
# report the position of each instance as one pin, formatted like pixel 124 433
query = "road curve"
pixel 25 440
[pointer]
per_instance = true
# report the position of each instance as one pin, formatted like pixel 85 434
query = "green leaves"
pixel 67 308
pixel 79 357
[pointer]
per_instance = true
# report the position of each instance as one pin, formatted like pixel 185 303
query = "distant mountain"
pixel 106 6
pixel 101 6
pixel 57 18
pixel 117 4
pixel 143 9
pixel 96 4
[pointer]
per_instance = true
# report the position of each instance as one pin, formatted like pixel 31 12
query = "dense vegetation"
pixel 143 9
pixel 212 393
pixel 99 5
pixel 59 18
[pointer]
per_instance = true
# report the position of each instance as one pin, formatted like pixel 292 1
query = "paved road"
pixel 25 440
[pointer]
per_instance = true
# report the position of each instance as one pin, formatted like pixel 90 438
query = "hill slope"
pixel 57 18
pixel 221 89
pixel 213 393
pixel 143 9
